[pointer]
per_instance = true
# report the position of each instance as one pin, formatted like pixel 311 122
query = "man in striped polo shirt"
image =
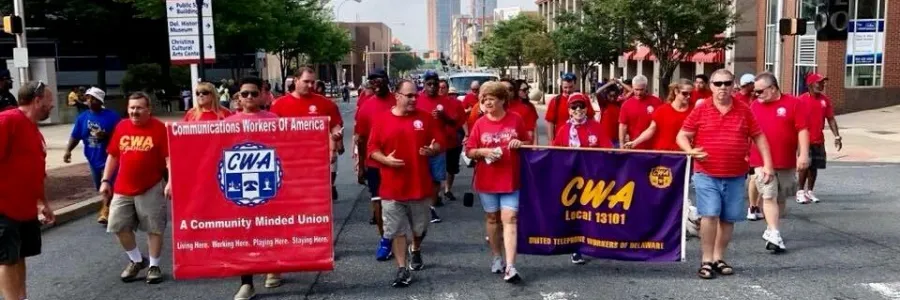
pixel 717 133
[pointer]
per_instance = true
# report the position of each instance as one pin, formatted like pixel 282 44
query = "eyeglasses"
pixel 721 83
pixel 202 93
pixel 248 94
pixel 409 96
pixel 686 94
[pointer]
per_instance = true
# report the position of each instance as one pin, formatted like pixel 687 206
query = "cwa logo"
pixel 250 174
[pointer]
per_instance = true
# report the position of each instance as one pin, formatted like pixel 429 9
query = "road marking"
pixel 448 296
pixel 890 290
pixel 558 296
pixel 758 290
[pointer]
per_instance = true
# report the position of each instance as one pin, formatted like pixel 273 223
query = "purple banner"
pixel 623 206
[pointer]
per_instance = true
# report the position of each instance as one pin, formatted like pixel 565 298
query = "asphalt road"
pixel 843 248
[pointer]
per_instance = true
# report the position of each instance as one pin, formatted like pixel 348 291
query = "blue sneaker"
pixel 384 250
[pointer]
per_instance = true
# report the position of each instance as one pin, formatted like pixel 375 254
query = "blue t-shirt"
pixel 94 129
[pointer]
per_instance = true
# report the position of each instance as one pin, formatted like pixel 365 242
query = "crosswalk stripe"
pixel 558 296
pixel 758 290
pixel 890 290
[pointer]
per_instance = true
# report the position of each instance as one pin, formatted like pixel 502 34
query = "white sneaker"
pixel 751 214
pixel 801 197
pixel 774 241
pixel 497 265
pixel 511 276
pixel 812 197
pixel 246 292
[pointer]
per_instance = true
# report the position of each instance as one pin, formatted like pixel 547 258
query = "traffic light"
pixel 792 26
pixel 832 20
pixel 12 24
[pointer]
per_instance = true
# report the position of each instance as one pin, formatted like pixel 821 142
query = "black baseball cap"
pixel 379 73
pixel 430 75
pixel 4 74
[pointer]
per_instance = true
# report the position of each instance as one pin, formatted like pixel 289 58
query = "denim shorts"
pixel 724 198
pixel 438 166
pixel 493 202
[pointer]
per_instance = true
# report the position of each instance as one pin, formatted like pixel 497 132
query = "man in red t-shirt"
pixel 376 106
pixel 22 158
pixel 558 110
pixel 402 144
pixel 666 122
pixel 783 120
pixel 718 133
pixel 471 98
pixel 745 92
pixel 455 134
pixel 819 108
pixel 139 150
pixel 637 112
pixel 432 102
pixel 701 89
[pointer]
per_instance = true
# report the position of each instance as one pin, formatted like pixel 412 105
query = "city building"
pixel 479 8
pixel 440 17
pixel 371 36
pixel 464 34
pixel 506 13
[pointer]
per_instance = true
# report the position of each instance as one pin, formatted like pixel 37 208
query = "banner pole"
pixel 685 205
pixel 606 150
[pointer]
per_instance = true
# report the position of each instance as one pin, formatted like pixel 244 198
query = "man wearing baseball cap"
pixel 7 100
pixel 819 108
pixel 94 128
pixel 745 90
pixel 432 102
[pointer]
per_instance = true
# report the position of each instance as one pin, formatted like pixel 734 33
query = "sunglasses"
pixel 686 94
pixel 248 94
pixel 721 83
pixel 410 96
pixel 202 93
pixel 577 106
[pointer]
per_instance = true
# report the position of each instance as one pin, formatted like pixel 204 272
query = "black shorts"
pixel 453 160
pixel 18 239
pixel 817 157
pixel 373 180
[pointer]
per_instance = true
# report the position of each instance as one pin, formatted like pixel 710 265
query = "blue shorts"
pixel 438 166
pixel 724 198
pixel 373 181
pixel 493 202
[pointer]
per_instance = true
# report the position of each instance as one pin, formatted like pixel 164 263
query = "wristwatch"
pixel 105 181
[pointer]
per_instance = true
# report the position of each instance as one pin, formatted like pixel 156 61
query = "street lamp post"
pixel 337 11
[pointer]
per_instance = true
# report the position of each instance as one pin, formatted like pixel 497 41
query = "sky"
pixel 406 18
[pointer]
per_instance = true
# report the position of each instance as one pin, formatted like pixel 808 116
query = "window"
pixel 865 44
pixel 771 33
pixel 805 53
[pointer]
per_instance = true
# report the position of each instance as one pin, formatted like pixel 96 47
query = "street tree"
pixel 587 40
pixel 510 37
pixel 540 50
pixel 673 30
pixel 402 62
pixel 490 52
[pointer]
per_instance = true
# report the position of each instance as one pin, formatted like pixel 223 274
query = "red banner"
pixel 250 197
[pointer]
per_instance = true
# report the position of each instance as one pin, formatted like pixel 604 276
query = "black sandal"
pixel 723 268
pixel 706 270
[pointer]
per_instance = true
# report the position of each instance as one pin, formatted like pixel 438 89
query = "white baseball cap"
pixel 96 93
pixel 747 79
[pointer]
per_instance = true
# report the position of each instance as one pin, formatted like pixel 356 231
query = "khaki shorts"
pixel 782 187
pixel 146 211
pixel 401 217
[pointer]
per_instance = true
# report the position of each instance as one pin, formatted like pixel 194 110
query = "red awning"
pixel 643 53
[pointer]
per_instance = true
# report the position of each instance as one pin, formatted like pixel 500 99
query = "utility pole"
pixel 201 65
pixel 21 42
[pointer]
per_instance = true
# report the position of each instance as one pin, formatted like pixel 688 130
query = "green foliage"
pixel 506 43
pixel 489 52
pixel 540 49
pixel 587 41
pixel 142 77
pixel 401 62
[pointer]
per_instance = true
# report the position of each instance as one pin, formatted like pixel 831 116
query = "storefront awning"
pixel 643 53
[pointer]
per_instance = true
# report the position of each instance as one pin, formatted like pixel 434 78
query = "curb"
pixel 74 212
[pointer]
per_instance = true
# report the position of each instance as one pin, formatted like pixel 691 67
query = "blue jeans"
pixel 724 198
pixel 493 202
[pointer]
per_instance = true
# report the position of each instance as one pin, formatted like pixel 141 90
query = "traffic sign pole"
pixel 201 65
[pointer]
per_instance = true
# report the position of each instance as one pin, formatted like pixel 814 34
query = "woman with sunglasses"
pixel 206 107
pixel 517 104
pixel 667 119
pixel 495 138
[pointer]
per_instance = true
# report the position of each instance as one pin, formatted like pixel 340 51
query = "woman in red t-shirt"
pixel 581 131
pixel 609 100
pixel 494 139
pixel 206 106
pixel 667 120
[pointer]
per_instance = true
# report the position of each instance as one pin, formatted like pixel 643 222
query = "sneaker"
pixel 759 214
pixel 751 213
pixel 511 276
pixel 415 260
pixel 801 197
pixel 497 265
pixel 132 269
pixel 273 280
pixel 577 259
pixel 434 216
pixel 102 220
pixel 384 250
pixel 403 278
pixel 812 197
pixel 154 275
pixel 246 292
pixel 334 193
pixel 774 242
pixel 449 196
pixel 693 228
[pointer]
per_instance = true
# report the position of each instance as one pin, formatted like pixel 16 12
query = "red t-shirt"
pixel 503 175
pixel 738 96
pixel 377 107
pixel 309 105
pixel 405 135
pixel 142 152
pixel 23 156
pixel 470 100
pixel 207 115
pixel 668 124
pixel 724 137
pixel 429 104
pixel 455 110
pixel 558 113
pixel 527 112
pixel 359 103
pixel 700 94
pixel 637 113
pixel 609 120
pixel 818 108
pixel 780 121
pixel 590 135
